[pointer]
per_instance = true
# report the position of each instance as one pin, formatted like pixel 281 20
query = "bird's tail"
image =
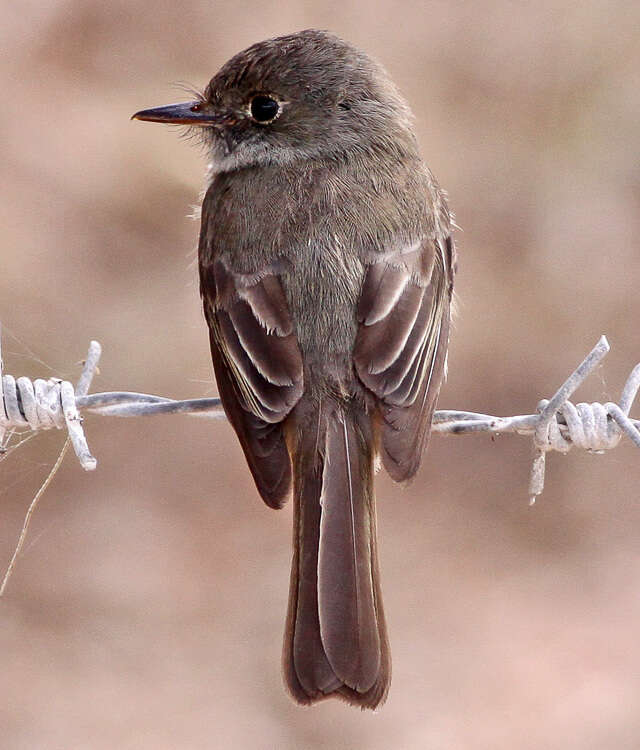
pixel 335 640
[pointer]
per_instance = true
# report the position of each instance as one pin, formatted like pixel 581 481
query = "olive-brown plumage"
pixel 326 272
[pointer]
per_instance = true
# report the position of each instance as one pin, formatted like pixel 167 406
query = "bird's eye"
pixel 264 108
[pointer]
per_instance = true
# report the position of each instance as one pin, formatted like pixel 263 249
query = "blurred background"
pixel 147 609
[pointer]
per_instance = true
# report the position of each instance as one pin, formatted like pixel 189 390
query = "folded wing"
pixel 400 350
pixel 258 367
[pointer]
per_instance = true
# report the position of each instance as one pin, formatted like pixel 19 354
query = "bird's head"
pixel 303 96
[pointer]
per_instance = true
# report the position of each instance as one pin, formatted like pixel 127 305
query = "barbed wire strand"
pixel 557 425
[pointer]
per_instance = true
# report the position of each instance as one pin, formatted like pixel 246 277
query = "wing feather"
pixel 382 342
pixel 268 304
pixel 258 367
pixel 400 348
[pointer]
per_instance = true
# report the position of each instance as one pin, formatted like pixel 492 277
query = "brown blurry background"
pixel 147 610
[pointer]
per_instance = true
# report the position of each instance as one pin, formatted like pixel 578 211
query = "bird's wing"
pixel 401 346
pixel 258 367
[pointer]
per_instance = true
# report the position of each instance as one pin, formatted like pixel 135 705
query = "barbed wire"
pixel 557 425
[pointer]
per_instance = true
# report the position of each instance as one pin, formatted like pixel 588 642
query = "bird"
pixel 326 264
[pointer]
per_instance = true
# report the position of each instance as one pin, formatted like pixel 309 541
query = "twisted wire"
pixel 47 404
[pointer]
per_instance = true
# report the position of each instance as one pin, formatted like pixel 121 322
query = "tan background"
pixel 147 610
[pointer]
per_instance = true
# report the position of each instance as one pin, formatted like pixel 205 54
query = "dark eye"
pixel 264 108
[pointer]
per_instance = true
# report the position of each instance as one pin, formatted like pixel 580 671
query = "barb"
pixel 558 424
pixel 44 404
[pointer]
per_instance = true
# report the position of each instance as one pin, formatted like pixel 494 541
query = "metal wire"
pixel 558 424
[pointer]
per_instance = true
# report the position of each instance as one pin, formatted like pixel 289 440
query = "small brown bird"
pixel 326 273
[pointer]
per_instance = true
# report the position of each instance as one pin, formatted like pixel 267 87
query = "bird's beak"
pixel 184 113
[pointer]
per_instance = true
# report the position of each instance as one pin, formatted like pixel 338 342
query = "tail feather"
pixel 336 639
